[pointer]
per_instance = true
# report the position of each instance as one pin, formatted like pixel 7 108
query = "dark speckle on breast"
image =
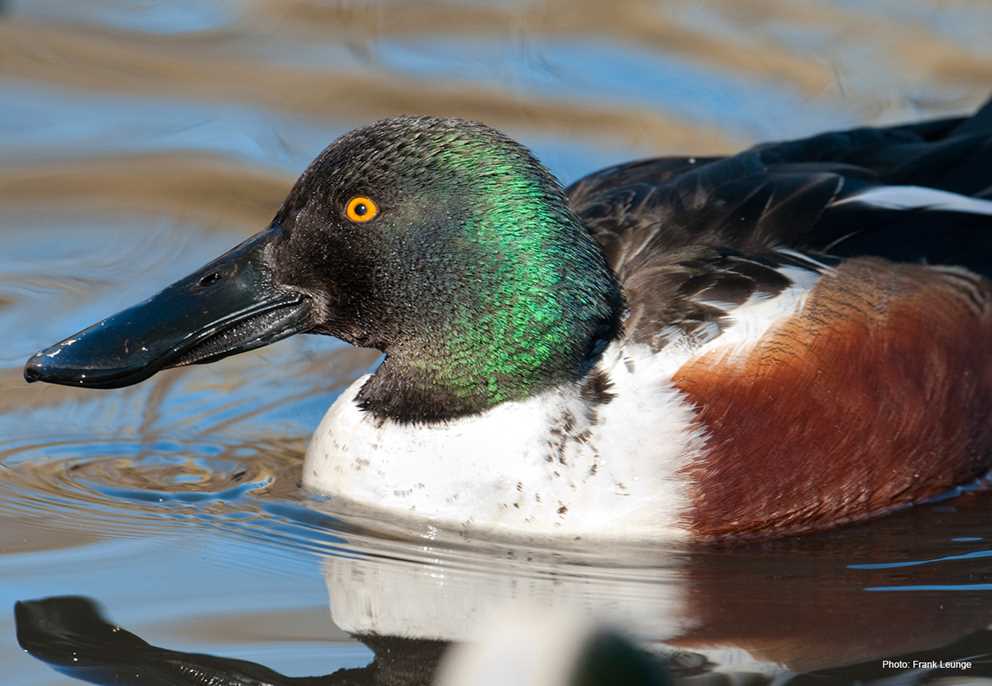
pixel 596 388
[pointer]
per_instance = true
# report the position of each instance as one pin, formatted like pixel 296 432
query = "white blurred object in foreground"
pixel 530 647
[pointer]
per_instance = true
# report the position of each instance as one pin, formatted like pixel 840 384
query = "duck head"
pixel 440 242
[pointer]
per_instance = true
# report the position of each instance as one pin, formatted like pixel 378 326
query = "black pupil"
pixel 361 209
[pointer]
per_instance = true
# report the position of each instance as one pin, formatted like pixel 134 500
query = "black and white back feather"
pixel 692 238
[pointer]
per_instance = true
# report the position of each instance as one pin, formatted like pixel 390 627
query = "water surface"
pixel 138 140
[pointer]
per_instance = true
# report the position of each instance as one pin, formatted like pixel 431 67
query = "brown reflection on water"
pixel 31 534
pixel 652 25
pixel 193 68
pixel 922 53
pixel 755 51
pixel 209 191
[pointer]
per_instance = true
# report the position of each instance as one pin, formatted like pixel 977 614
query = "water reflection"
pixel 771 610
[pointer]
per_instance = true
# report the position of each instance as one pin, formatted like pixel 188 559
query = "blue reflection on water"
pixel 934 587
pixel 174 16
pixel 617 75
pixel 47 123
pixel 975 555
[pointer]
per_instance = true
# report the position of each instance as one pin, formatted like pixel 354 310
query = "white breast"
pixel 552 466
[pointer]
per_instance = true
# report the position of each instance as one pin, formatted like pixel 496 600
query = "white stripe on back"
pixel 918 197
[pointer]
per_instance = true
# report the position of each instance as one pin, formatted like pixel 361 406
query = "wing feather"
pixel 691 239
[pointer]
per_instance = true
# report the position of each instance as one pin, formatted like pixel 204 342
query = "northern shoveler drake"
pixel 769 343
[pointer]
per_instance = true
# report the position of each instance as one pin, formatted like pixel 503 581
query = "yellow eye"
pixel 361 209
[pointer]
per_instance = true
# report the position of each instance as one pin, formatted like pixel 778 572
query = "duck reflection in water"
pixel 694 615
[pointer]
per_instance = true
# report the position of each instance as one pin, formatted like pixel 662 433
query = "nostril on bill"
pixel 211 278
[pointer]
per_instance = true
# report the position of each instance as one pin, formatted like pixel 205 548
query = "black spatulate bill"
pixel 229 306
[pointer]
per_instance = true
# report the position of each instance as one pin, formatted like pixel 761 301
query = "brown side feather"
pixel 877 395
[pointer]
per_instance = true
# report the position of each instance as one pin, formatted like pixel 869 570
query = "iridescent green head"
pixel 473 276
pixel 442 243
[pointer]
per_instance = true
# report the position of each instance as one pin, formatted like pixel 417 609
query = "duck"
pixel 763 344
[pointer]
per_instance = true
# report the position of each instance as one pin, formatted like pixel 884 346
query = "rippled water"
pixel 139 139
